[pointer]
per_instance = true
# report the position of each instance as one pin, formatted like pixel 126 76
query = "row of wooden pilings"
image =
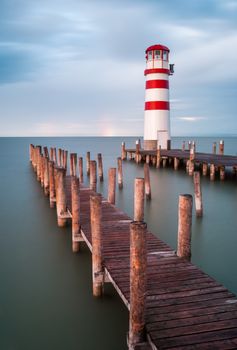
pixel 51 173
pixel 159 161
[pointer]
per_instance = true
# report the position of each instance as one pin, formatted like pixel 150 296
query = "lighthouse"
pixel 157 106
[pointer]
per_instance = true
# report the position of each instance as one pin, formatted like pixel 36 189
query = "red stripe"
pixel 156 70
pixel 160 105
pixel 154 84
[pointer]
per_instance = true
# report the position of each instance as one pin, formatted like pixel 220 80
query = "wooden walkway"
pixel 185 308
pixel 208 158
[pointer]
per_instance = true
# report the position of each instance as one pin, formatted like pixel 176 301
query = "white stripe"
pixel 157 76
pixel 157 95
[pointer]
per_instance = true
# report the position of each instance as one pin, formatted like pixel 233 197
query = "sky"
pixel 76 67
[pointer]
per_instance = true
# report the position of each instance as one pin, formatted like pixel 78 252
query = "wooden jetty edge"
pixel 187 156
pixel 172 303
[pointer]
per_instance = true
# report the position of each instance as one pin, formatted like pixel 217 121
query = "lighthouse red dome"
pixel 157 47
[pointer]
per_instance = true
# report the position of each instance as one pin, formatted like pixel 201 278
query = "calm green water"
pixel 45 291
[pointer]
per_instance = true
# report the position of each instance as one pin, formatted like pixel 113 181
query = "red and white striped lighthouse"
pixel 157 107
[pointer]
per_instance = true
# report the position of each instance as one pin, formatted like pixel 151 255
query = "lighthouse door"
pixel 162 138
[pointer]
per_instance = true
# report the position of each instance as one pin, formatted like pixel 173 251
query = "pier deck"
pixel 209 158
pixel 186 309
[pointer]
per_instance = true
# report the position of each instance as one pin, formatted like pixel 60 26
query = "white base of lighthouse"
pixel 156 129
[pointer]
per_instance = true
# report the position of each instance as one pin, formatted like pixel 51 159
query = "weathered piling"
pixel 55 156
pixel 204 169
pixel 137 155
pixel 46 175
pixel 76 227
pixel 222 173
pixel 52 194
pixel 148 159
pixel 189 145
pixel 212 172
pixel 147 181
pixel 96 237
pixel 120 173
pixel 198 193
pixel 46 152
pixel 111 185
pixel 93 175
pixel 88 158
pixel 191 161
pixel 73 164
pixel 214 148
pixel 51 153
pixel 65 156
pixel 42 165
pixel 80 166
pixel 59 157
pixel 221 147
pixel 61 196
pixel 183 146
pixel 158 157
pixel 123 151
pixel 100 167
pixel 185 226
pixel 164 162
pixel 138 280
pixel 139 194
pixel 31 150
pixel 38 161
pixel 176 163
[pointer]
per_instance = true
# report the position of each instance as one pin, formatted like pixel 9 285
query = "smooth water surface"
pixel 45 292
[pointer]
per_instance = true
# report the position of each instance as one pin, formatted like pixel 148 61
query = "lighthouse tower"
pixel 157 107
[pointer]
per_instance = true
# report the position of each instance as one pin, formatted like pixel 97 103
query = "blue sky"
pixel 75 67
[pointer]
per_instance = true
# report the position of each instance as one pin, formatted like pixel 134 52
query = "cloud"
pixel 191 119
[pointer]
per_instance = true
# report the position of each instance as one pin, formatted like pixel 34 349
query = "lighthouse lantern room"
pixel 157 107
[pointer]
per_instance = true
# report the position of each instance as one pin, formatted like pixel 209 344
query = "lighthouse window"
pixel 165 55
pixel 149 55
pixel 157 54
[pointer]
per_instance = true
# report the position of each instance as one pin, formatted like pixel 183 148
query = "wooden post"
pixel 158 157
pixel 59 157
pixel 93 176
pixel 221 147
pixel 123 152
pixel 100 166
pixel 139 194
pixel 191 161
pixel 147 181
pixel 120 173
pixel 46 176
pixel 153 160
pixel 80 165
pixel 137 155
pixel 183 146
pixel 76 227
pixel 204 169
pixel 164 162
pixel 38 164
pixel 112 185
pixel 185 226
pixel 73 164
pixel 222 173
pixel 42 170
pixel 198 193
pixel 96 237
pixel 55 156
pixel 88 158
pixel 61 196
pixel 138 280
pixel 31 147
pixel 176 163
pixel 46 152
pixel 212 172
pixel 52 195
pixel 65 155
pixel 51 153
pixel 147 159
pixel 189 145
pixel 214 148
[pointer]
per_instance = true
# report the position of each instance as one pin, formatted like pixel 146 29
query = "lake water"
pixel 45 292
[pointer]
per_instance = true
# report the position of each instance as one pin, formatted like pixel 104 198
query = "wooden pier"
pixel 184 307
pixel 189 158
